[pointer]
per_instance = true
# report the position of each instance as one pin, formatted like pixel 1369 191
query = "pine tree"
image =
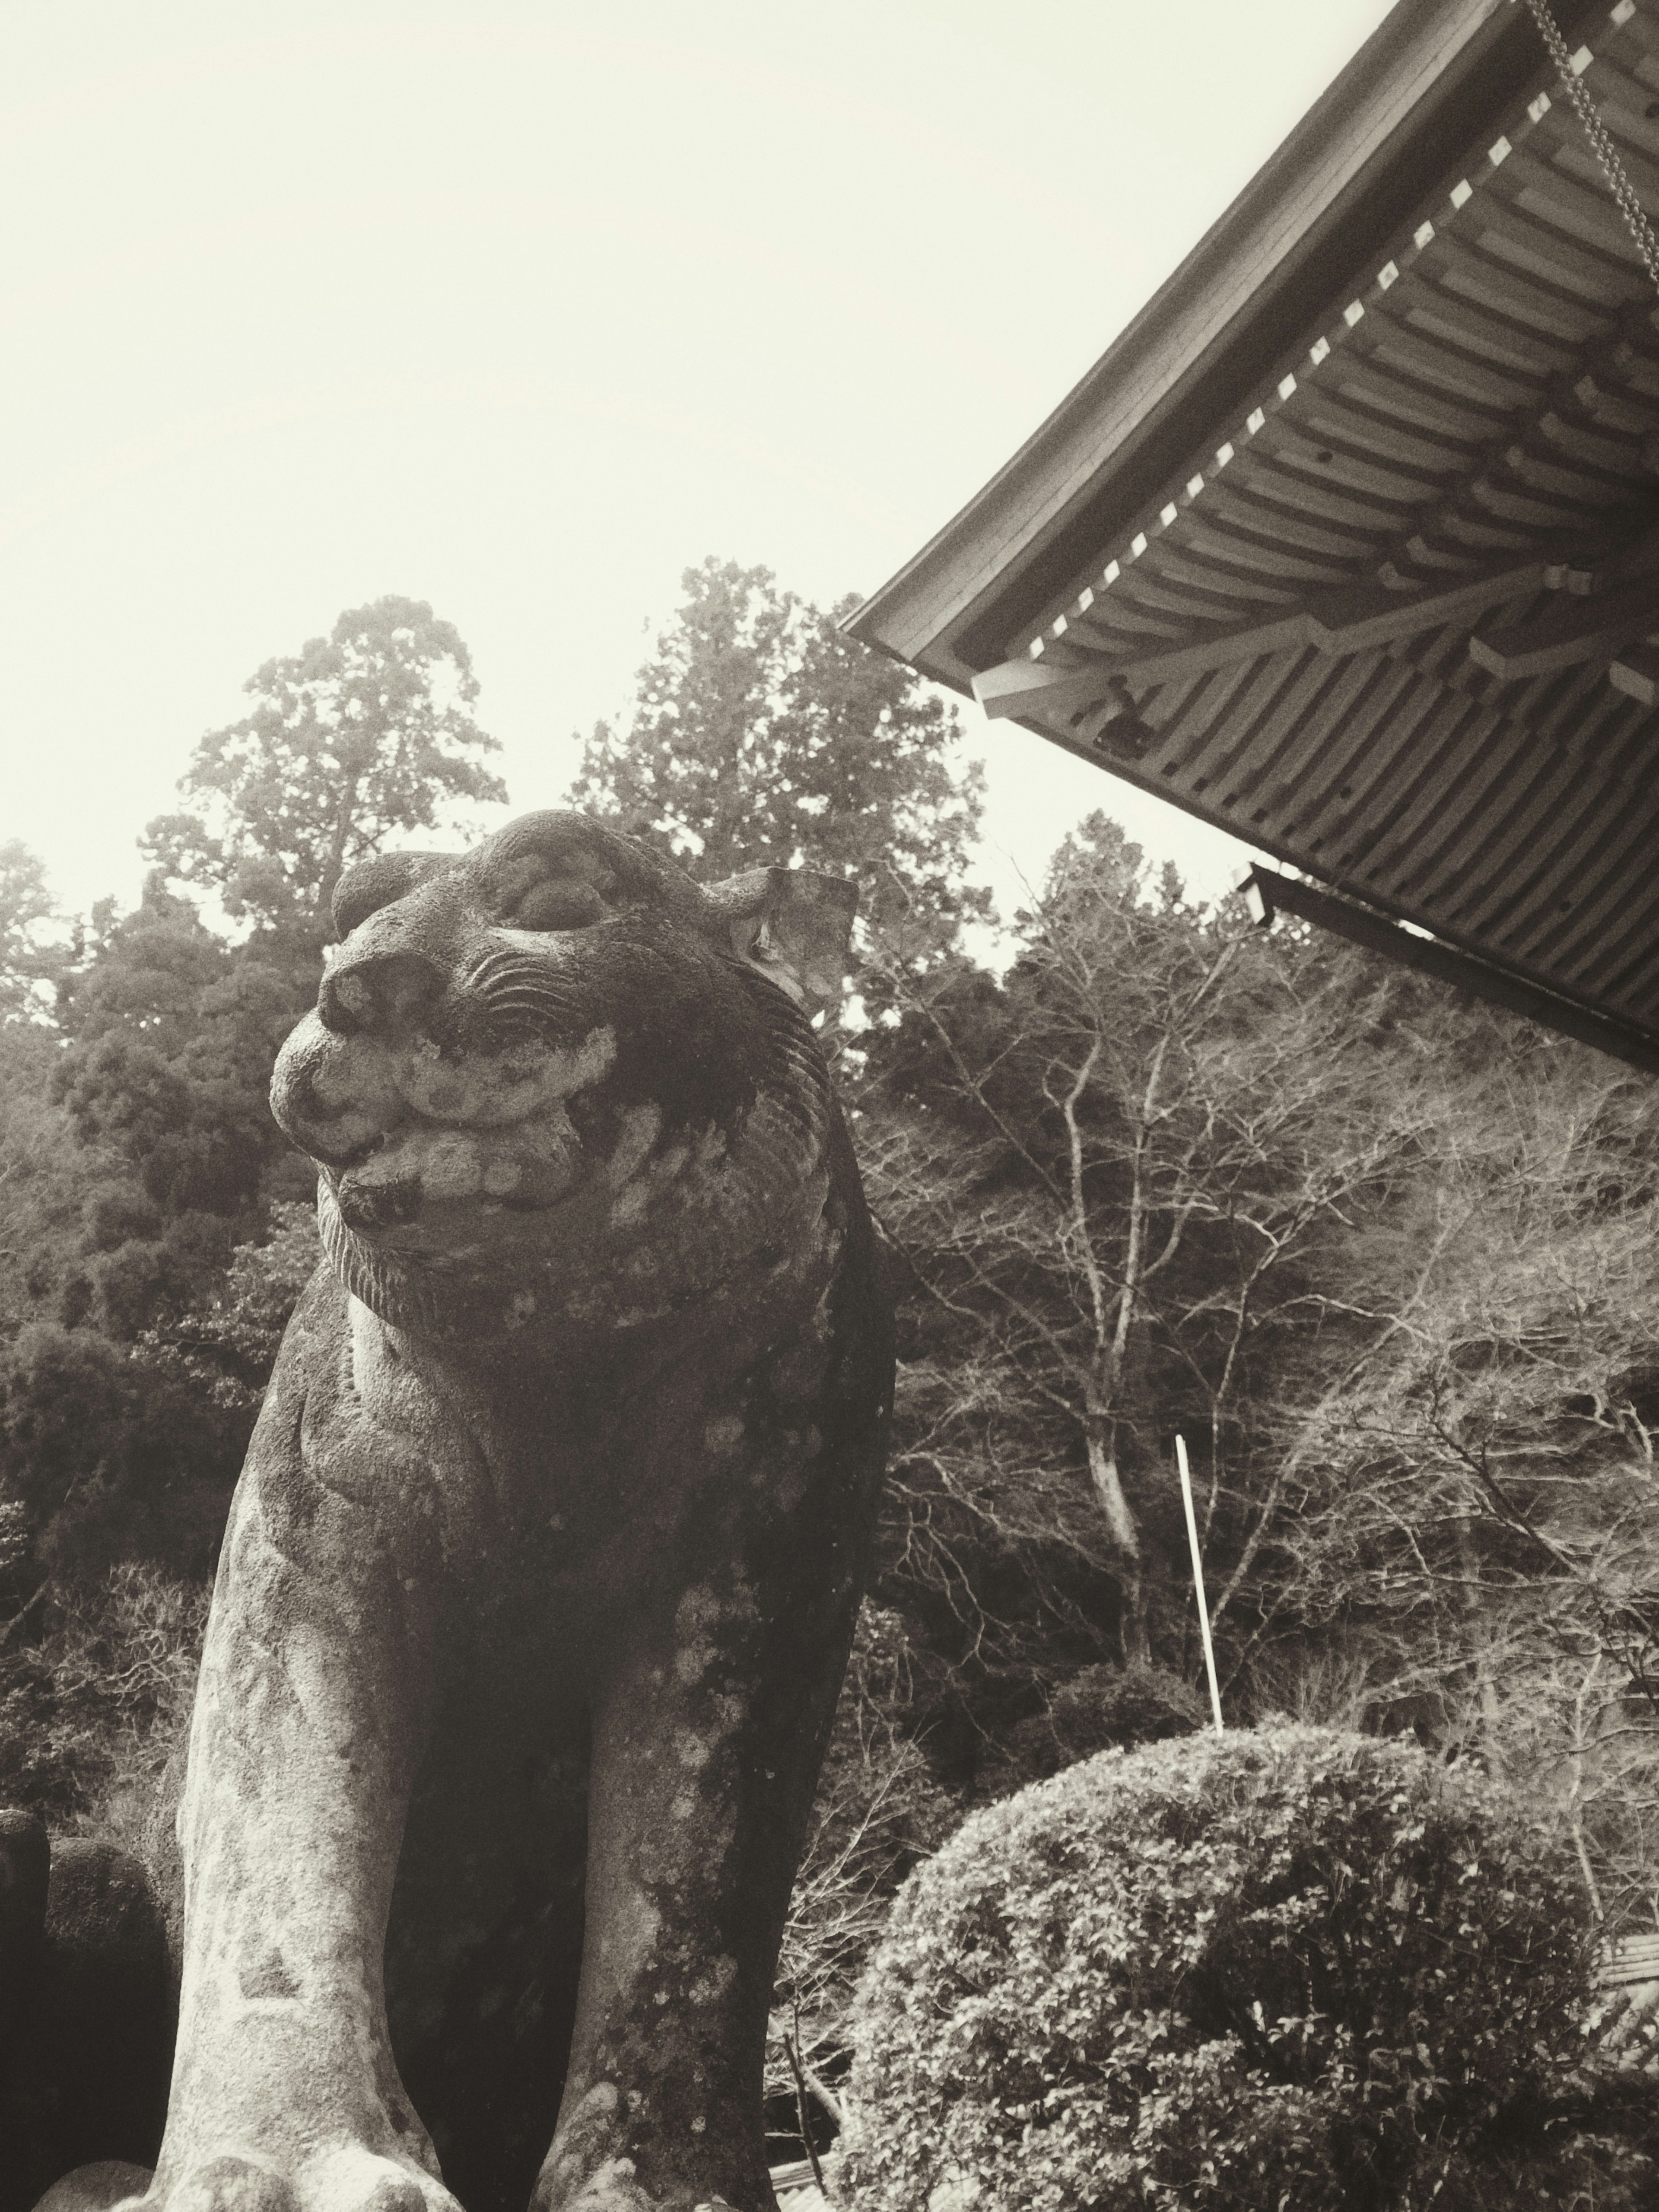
pixel 359 736
pixel 760 735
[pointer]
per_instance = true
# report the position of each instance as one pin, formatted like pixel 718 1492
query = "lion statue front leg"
pixel 308 1727
pixel 708 1738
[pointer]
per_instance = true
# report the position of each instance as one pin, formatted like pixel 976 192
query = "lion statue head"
pixel 552 1080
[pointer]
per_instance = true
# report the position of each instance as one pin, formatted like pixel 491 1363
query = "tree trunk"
pixel 334 865
pixel 1469 1559
pixel 1126 1538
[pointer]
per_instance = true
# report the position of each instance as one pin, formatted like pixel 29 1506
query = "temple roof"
pixel 1349 543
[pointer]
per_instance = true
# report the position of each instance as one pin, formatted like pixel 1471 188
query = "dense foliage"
pixel 1285 1967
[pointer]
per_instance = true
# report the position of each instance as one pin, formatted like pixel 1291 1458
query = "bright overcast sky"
pixel 496 307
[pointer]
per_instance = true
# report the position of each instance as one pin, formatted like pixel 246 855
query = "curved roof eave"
pixel 1395 122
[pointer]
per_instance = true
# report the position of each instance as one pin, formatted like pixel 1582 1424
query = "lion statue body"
pixel 540 1580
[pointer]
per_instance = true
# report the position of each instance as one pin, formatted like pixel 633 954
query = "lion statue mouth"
pixel 404 1130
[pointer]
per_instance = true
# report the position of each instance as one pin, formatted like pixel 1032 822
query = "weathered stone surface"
pixel 539 1583
pixel 100 2188
pixel 89 2016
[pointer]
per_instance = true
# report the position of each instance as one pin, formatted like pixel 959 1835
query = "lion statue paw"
pixel 349 2179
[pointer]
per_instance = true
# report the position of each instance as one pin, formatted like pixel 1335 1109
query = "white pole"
pixel 1198 1577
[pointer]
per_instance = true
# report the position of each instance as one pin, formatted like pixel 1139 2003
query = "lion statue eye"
pixel 558 905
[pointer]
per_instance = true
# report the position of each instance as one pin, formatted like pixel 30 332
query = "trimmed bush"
pixel 1287 1969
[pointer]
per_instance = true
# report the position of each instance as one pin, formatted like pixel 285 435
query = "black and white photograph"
pixel 829 1141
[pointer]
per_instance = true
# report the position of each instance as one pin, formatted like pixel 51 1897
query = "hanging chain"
pixel 1601 145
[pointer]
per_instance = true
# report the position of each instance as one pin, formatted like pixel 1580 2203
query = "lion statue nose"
pixel 384 992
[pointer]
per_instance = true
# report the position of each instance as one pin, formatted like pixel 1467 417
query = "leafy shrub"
pixel 230 1344
pixel 1290 1969
pixel 114 1454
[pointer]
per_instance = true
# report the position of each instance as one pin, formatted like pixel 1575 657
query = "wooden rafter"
pixel 1581 630
pixel 1339 622
pixel 1635 673
pixel 1041 686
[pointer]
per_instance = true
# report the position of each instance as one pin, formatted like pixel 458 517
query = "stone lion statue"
pixel 539 1581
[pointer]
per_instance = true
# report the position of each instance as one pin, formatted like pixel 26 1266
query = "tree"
pixel 142 974
pixel 359 736
pixel 761 736
pixel 43 1180
pixel 170 1037
pixel 1466 1533
pixel 30 959
pixel 1111 1174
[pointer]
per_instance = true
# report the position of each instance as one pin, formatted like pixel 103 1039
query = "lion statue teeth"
pixel 539 1581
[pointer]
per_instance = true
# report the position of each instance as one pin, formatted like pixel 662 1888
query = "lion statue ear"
pixel 794 924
